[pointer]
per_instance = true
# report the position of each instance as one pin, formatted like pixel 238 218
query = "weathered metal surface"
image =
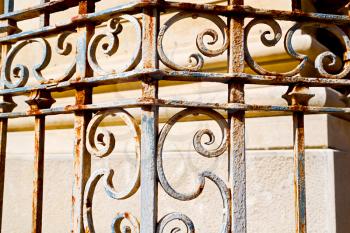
pixel 39 100
pixel 196 61
pixel 38 178
pixel 299 172
pixel 227 35
pixel 173 104
pixel 6 105
pixel 107 139
pixel 197 143
pixel 299 96
pixel 149 124
pixel 237 124
pixel 82 159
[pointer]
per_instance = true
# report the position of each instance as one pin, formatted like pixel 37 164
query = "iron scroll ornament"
pixel 18 75
pixel 107 143
pixel 114 28
pixel 196 60
pixel 320 60
pixel 197 142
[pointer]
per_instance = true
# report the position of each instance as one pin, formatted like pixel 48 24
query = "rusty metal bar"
pixel 49 7
pixel 149 125
pixel 237 125
pixel 173 104
pixel 251 79
pixel 45 17
pixel 133 76
pixel 296 5
pixel 299 155
pixel 38 178
pixel 73 23
pixel 3 141
pixel 82 159
pixel 137 6
pixel 6 105
pixel 251 12
pixel 299 172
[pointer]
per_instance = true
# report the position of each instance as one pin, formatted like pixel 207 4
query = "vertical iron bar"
pixel 45 17
pixel 9 5
pixel 38 178
pixel 82 159
pixel 3 142
pixel 299 172
pixel 149 125
pixel 237 124
pixel 299 160
pixel 37 201
pixel 7 106
pixel 296 5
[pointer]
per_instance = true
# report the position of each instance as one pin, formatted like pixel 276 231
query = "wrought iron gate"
pixel 86 73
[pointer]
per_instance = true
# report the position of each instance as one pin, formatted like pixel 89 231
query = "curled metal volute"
pixel 132 227
pixel 291 52
pixel 18 76
pixel 104 138
pixel 127 192
pixel 322 58
pixel 107 143
pixel 111 46
pixel 114 26
pixel 88 199
pixel 163 222
pixel 45 60
pixel 214 36
pixel 226 200
pixel 225 196
pixel 197 139
pixel 196 60
pixel 276 28
pixel 197 144
pixel 277 35
pixel 63 47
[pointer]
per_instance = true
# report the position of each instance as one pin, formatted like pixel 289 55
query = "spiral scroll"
pixel 321 58
pixel 134 225
pixel 196 60
pixel 225 194
pixel 172 217
pixel 114 27
pixel 277 31
pixel 107 141
pixel 19 74
pixel 277 35
pixel 65 48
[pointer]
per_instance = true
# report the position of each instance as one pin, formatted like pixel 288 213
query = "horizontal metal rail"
pixel 156 74
pixel 173 104
pixel 137 6
pixel 35 11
